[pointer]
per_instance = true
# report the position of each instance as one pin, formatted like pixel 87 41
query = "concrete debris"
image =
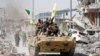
pixel 87 45
pixel 90 48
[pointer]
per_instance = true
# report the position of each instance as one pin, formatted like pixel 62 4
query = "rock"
pixel 96 44
pixel 81 49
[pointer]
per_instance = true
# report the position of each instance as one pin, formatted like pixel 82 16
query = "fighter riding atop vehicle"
pixel 52 42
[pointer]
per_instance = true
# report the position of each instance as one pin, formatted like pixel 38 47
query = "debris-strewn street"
pixel 49 27
pixel 13 39
pixel 92 48
pixel 88 46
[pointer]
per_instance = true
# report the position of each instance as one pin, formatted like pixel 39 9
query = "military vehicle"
pixel 52 45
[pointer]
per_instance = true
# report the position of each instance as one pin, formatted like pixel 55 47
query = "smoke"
pixel 13 10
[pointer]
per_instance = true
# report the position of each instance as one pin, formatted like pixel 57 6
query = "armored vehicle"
pixel 54 45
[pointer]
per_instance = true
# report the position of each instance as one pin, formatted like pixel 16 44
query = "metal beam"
pixel 33 9
pixel 49 53
pixel 71 12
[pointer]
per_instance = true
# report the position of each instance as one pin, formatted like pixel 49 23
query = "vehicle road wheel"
pixel 36 51
pixel 70 53
pixel 65 54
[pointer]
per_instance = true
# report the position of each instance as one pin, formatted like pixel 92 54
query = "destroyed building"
pixel 91 10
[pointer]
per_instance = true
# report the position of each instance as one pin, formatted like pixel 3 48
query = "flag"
pixel 53 14
pixel 32 21
pixel 28 11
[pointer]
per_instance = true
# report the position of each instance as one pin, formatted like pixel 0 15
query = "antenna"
pixel 71 13
pixel 33 9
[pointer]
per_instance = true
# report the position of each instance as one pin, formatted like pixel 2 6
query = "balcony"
pixel 89 3
pixel 94 6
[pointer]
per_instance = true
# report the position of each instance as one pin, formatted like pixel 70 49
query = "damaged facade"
pixel 91 10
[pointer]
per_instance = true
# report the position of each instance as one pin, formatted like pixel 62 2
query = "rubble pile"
pixel 5 45
pixel 90 48
pixel 94 45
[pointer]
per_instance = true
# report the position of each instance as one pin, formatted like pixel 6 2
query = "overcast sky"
pixel 46 5
pixel 39 5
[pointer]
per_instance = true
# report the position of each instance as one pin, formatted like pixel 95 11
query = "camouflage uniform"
pixel 49 30
pixel 17 39
pixel 50 27
pixel 24 38
pixel 45 26
pixel 55 30
pixel 39 26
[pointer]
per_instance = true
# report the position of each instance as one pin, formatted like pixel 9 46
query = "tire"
pixel 70 53
pixel 64 54
pixel 36 51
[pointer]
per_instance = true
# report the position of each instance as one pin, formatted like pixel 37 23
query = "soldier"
pixel 3 34
pixel 39 26
pixel 45 25
pixel 55 29
pixel 24 38
pixel 49 30
pixel 50 27
pixel 17 38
